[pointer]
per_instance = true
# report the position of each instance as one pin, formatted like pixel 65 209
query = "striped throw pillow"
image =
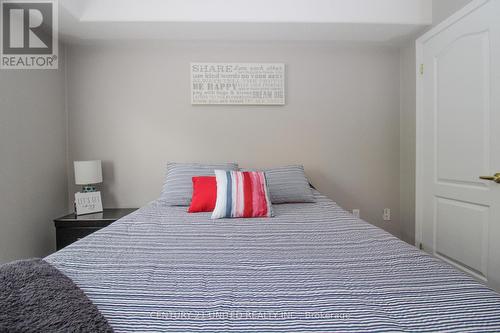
pixel 241 194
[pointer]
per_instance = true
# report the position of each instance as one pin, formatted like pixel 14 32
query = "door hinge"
pixel 421 69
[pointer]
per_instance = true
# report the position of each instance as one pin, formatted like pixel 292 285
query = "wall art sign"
pixel 88 202
pixel 238 83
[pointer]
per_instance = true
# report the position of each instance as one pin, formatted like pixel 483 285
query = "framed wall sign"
pixel 238 83
pixel 88 202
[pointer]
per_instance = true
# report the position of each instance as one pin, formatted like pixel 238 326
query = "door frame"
pixel 420 70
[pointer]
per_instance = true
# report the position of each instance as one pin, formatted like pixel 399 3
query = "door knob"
pixel 495 177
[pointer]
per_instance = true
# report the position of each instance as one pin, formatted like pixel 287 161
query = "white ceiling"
pixel 344 20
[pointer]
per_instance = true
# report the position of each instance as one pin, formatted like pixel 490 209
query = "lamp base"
pixel 88 188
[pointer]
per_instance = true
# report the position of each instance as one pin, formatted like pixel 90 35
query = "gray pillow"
pixel 288 184
pixel 178 186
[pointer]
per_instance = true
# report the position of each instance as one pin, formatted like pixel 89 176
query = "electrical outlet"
pixel 387 214
pixel 355 212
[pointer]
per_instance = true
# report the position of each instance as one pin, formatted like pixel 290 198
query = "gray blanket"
pixel 36 297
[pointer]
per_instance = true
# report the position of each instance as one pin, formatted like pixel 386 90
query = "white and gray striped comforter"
pixel 313 267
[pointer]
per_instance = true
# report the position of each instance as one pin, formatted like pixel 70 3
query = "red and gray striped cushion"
pixel 241 194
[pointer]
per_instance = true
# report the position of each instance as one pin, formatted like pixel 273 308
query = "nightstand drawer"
pixel 71 227
pixel 66 236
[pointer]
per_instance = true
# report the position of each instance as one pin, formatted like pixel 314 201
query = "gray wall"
pixel 33 180
pixel 441 9
pixel 407 140
pixel 129 105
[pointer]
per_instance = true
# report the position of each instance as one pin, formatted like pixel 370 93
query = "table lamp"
pixel 88 173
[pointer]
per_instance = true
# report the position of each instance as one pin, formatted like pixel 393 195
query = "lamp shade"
pixel 87 172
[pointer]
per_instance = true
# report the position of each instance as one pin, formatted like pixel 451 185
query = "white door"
pixel 458 140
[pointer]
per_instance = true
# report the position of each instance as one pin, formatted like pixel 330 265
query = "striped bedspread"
pixel 313 267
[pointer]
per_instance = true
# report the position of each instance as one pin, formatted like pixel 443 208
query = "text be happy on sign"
pixel 238 83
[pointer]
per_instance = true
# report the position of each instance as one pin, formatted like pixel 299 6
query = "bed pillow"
pixel 288 184
pixel 178 186
pixel 241 194
pixel 204 194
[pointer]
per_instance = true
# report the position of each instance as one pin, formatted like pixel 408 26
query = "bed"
pixel 313 267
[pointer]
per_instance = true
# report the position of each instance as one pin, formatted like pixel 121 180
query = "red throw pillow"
pixel 204 194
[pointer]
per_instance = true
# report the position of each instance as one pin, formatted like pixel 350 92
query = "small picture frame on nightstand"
pixel 88 202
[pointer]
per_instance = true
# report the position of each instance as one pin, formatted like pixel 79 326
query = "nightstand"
pixel 70 228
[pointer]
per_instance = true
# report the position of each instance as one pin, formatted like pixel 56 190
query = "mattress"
pixel 311 268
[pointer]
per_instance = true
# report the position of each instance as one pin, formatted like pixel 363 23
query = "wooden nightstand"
pixel 70 228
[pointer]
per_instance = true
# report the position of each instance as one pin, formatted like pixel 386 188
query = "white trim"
pixel 418 138
pixel 472 6
pixel 419 49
